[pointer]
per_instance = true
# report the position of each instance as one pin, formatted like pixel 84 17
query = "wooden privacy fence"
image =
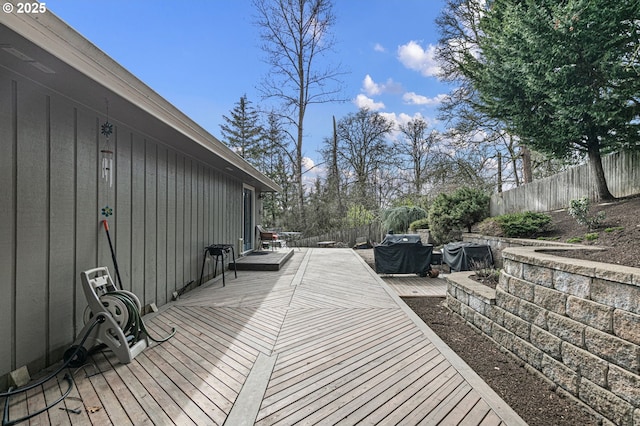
pixel 373 232
pixel 622 171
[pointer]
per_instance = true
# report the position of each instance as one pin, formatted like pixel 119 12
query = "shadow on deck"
pixel 322 341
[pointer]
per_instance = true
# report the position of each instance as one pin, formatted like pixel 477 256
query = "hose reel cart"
pixel 121 327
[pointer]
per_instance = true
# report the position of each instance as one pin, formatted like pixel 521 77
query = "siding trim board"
pixel 171 193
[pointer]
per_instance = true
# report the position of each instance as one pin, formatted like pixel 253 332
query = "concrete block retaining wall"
pixel 576 322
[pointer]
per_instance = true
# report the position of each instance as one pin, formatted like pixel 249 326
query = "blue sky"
pixel 203 55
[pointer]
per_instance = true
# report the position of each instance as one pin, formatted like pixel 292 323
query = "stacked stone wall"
pixel 575 322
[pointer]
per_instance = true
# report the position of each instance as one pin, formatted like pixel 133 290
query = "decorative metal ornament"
pixel 106 129
pixel 106 163
pixel 107 211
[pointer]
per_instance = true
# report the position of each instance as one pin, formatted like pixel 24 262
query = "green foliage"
pixel 561 75
pixel 397 219
pixel 524 225
pixel 450 213
pixel 592 236
pixel 574 240
pixel 419 224
pixel 579 210
pixel 614 229
pixel 358 215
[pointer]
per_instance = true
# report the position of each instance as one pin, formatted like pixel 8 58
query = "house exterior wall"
pixel 167 207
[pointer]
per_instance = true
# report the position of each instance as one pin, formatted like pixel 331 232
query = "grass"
pixel 574 240
pixel 615 228
pixel 591 236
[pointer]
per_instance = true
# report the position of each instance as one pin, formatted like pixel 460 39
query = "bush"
pixel 524 225
pixel 450 213
pixel 591 236
pixel 579 210
pixel 419 224
pixel 397 219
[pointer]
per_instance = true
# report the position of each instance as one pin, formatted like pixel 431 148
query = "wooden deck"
pixel 265 260
pixel 415 286
pixel 322 341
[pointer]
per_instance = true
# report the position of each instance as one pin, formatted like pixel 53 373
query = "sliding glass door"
pixel 248 219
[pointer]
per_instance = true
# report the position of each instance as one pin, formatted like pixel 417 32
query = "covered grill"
pixel 462 256
pixel 403 254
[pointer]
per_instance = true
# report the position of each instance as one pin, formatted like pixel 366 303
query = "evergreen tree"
pixel 563 75
pixel 242 131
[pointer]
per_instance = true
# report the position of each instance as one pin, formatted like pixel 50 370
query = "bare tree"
pixel 363 148
pixel 416 146
pixel 295 34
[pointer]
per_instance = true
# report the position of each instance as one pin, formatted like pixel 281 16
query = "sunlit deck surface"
pixel 322 341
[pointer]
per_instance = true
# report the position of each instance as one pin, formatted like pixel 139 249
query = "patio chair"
pixel 265 236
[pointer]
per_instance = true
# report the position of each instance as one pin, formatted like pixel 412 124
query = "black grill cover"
pixel 460 256
pixel 402 254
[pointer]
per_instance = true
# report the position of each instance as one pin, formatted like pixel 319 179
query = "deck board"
pixel 325 340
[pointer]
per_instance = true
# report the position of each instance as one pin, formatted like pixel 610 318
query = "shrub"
pixel 574 240
pixel 449 213
pixel 614 229
pixel 524 225
pixel 579 210
pixel 397 219
pixel 591 236
pixel 419 224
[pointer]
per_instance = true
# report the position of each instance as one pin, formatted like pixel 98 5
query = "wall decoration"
pixel 106 162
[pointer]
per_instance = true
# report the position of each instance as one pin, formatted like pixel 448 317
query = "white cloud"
pixel 372 88
pixel 362 101
pixel 413 98
pixel 379 48
pixel 414 57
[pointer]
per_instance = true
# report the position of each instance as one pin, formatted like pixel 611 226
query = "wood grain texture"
pixel 343 346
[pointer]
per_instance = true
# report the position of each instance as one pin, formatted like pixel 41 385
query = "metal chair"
pixel 265 235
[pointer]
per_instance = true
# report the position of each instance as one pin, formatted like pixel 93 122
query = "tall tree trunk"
pixel 526 165
pixel 595 162
pixel 334 165
pixel 499 172
pixel 301 216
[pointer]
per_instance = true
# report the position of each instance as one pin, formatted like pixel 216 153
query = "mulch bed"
pixel 534 399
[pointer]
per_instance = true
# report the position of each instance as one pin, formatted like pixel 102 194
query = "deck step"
pixel 263 260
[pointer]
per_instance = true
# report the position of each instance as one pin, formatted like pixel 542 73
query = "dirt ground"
pixel 531 397
pixel 535 400
pixel 618 235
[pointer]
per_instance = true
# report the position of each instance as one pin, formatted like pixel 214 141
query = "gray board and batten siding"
pixel 175 190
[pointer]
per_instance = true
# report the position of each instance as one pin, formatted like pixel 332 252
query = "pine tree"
pixel 243 133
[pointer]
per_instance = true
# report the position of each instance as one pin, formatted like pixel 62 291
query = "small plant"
pixel 574 240
pixel 419 224
pixel 485 272
pixel 592 236
pixel 579 210
pixel 614 229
